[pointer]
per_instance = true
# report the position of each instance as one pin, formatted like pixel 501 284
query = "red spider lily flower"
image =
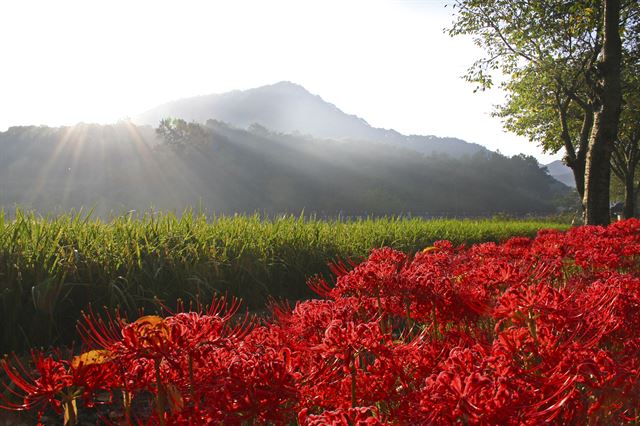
pixel 40 390
pixel 147 337
pixel 360 416
pixel 58 384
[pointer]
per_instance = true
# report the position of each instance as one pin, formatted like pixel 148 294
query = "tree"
pixel 626 153
pixel 546 49
pixel 543 110
pixel 179 135
pixel 549 51
pixel 604 133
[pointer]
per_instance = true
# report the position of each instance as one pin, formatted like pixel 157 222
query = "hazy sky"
pixel 388 62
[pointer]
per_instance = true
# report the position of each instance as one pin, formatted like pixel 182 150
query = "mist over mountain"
pixel 289 108
pixel 223 169
pixel 562 173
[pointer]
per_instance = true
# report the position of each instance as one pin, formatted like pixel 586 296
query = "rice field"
pixel 52 268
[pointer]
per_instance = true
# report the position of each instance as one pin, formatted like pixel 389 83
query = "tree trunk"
pixel 629 197
pixel 583 148
pixel 605 123
pixel 576 159
pixel 578 175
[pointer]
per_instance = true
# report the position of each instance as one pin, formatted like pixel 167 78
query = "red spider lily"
pixel 361 416
pixel 58 384
pixel 147 337
pixel 37 391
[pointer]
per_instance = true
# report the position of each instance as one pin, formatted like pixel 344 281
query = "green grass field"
pixel 52 268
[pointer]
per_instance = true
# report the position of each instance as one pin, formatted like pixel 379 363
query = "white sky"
pixel 388 62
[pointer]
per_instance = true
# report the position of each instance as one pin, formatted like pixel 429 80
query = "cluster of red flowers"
pixel 531 331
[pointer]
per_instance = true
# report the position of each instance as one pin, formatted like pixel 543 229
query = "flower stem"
pixel 160 397
pixel 126 405
pixel 353 380
pixel 191 386
pixel 70 412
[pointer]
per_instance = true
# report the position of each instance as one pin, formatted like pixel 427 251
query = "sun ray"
pixel 45 171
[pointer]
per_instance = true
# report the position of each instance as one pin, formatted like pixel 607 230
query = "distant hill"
pixel 561 173
pixel 289 108
pixel 122 167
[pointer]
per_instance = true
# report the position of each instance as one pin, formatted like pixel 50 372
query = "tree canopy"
pixel 548 54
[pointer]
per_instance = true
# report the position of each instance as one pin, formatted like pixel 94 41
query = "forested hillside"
pixel 222 169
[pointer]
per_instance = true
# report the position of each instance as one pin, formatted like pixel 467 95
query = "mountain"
pixel 286 107
pixel 561 173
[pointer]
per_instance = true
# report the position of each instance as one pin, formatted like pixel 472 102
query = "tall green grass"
pixel 52 268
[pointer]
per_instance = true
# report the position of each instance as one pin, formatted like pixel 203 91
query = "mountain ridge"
pixel 288 107
pixel 561 172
